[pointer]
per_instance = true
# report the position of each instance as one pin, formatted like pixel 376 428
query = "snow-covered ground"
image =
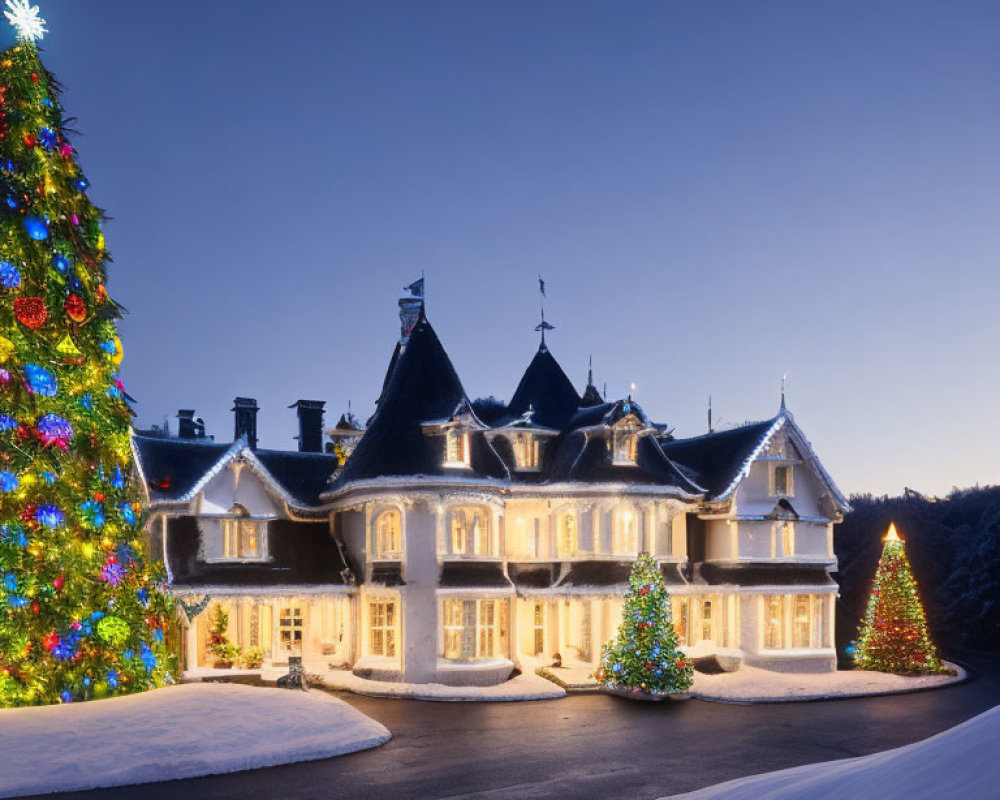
pixel 526 686
pixel 960 762
pixel 176 732
pixel 750 684
pixel 753 685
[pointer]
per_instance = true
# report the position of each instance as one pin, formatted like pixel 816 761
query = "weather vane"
pixel 25 19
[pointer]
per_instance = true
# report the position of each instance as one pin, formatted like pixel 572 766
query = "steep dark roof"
pixel 172 467
pixel 764 575
pixel 545 388
pixel 716 459
pixel 591 397
pixel 422 386
pixel 584 456
pixel 300 553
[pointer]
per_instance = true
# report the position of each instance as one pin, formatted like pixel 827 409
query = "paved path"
pixel 589 746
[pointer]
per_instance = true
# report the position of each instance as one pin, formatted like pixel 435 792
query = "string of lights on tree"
pixel 894 636
pixel 81 615
pixel 645 656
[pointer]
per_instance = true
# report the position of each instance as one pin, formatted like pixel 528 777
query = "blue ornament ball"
pixel 37 228
pixel 10 277
pixel 60 262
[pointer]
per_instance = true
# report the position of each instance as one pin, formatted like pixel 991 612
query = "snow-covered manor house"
pixel 459 541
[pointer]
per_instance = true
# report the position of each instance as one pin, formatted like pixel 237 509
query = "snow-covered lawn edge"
pixel 526 686
pixel 752 685
pixel 180 731
pixel 959 762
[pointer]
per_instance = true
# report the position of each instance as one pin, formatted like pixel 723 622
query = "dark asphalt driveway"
pixel 589 746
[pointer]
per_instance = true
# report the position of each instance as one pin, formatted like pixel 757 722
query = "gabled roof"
pixel 175 470
pixel 422 386
pixel 719 461
pixel 545 388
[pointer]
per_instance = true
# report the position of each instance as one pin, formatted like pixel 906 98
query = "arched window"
pixel 388 534
pixel 470 531
pixel 566 544
pixel 623 538
pixel 241 535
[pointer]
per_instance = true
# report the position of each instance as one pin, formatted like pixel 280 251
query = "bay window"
pixel 472 628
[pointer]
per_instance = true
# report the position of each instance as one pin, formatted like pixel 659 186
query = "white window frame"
pixel 479 642
pixel 457 449
pixel 467 539
pixel 786 611
pixel 291 628
pixel 625 444
pixel 789 480
pixel 379 535
pixel 383 619
pixel 235 529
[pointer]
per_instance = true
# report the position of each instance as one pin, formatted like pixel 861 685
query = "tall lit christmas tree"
pixel 894 636
pixel 645 658
pixel 80 613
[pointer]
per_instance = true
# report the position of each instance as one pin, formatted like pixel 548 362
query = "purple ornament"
pixel 54 430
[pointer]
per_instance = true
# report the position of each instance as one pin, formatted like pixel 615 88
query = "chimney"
pixel 310 413
pixel 245 419
pixel 189 426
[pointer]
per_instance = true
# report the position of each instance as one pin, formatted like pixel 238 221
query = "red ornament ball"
pixel 76 309
pixel 31 311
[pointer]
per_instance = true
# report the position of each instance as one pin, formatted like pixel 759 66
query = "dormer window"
pixel 625 442
pixel 242 537
pixel 525 451
pixel 456 448
pixel 781 481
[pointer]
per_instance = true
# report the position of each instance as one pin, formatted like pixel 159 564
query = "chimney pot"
pixel 245 420
pixel 310 414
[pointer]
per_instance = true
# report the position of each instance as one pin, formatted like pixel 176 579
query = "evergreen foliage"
pixel 894 636
pixel 80 612
pixel 645 656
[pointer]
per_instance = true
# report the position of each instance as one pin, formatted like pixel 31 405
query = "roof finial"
pixel 543 325
pixel 784 379
pixel 710 414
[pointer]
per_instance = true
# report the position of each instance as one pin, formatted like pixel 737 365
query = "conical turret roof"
pixel 547 390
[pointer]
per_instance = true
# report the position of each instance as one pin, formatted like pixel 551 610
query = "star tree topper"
pixel 24 17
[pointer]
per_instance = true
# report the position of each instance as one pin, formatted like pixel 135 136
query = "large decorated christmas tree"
pixel 894 635
pixel 644 658
pixel 80 612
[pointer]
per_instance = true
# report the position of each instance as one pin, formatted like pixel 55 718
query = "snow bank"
pixel 753 685
pixel 523 687
pixel 177 732
pixel 961 762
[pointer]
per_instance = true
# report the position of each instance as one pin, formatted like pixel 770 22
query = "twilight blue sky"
pixel 715 192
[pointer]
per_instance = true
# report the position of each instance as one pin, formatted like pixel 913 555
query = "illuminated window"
pixel 679 617
pixel 290 629
pixel 382 631
pixel 800 621
pixel 471 628
pixel 625 442
pixel 781 482
pixel 707 629
pixel 539 628
pixel 525 451
pixel 456 448
pixel 470 533
pixel 623 533
pixel 788 539
pixel 388 534
pixel 567 541
pixel 241 536
pixel 774 622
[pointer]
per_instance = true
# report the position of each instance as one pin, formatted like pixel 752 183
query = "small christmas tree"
pixel 894 636
pixel 81 615
pixel 645 658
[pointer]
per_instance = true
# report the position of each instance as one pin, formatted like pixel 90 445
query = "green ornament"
pixel 112 630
